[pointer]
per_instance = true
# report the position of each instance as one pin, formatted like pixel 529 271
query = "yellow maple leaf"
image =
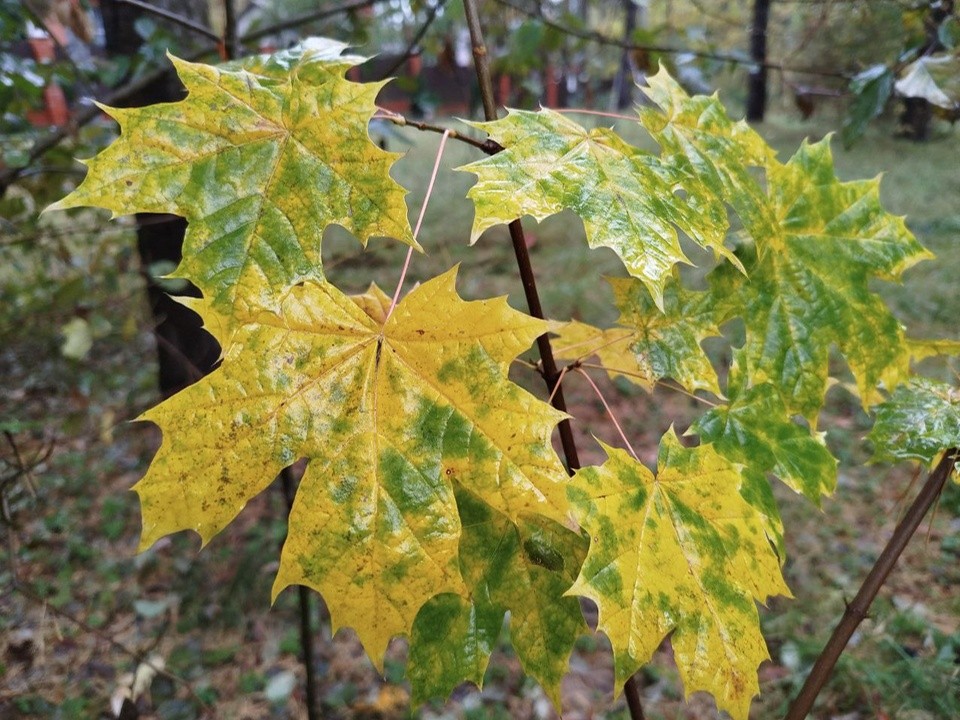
pixel 389 414
pixel 681 553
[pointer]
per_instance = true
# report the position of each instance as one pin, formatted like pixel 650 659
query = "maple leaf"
pixel 649 344
pixel 523 568
pixel 714 156
pixel 919 421
pixel 259 160
pixel 682 552
pixel 807 284
pixel 388 414
pixel 624 195
pixel 755 430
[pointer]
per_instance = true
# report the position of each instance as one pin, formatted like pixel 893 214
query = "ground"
pixel 90 607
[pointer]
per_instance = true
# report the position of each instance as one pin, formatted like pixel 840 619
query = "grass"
pixel 209 615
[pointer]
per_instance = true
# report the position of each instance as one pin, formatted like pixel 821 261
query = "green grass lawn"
pixel 207 615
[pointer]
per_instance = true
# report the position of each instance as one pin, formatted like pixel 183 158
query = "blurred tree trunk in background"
pixel 185 352
pixel 623 86
pixel 918 112
pixel 757 80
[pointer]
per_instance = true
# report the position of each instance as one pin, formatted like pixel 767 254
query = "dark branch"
pixel 174 18
pixel 525 268
pixel 231 41
pixel 488 146
pixel 307 18
pixel 857 610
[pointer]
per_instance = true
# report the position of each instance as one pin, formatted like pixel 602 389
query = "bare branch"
pixel 857 610
pixel 174 18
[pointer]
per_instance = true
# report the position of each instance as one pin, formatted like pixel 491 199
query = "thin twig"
pixel 606 406
pixel 488 146
pixel 172 17
pixel 602 39
pixel 857 610
pixel 683 391
pixel 594 350
pixel 563 372
pixel 600 113
pixel 522 254
pixel 416 230
pixel 415 41
pixel 305 18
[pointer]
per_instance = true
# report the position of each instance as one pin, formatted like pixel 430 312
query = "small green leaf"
pixel 871 89
pixel 649 344
pixel 755 429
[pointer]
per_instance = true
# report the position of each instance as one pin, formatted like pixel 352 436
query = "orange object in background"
pixel 55 110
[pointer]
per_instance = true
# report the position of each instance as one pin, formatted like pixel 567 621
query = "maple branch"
pixel 307 18
pixel 488 146
pixel 631 690
pixel 231 40
pixel 175 18
pixel 416 230
pixel 551 373
pixel 856 611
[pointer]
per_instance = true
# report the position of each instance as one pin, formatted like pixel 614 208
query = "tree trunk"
pixel 757 82
pixel 185 352
pixel 918 112
pixel 623 86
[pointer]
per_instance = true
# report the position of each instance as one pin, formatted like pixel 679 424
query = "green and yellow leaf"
pixel 625 196
pixel 259 161
pixel 522 568
pixel 755 430
pixel 807 286
pixel 716 157
pixel 681 552
pixel 649 344
pixel 389 416
pixel 919 421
